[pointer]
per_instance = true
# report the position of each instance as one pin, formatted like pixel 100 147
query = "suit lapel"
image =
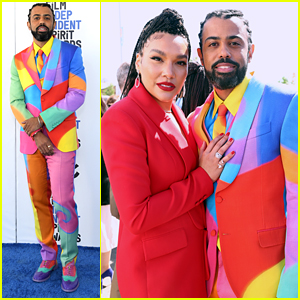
pixel 240 130
pixel 30 65
pixel 184 124
pixel 198 125
pixel 51 66
pixel 165 124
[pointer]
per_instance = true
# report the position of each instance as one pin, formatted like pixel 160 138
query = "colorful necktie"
pixel 220 123
pixel 39 61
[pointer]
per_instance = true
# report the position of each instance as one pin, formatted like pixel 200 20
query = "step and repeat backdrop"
pixel 79 24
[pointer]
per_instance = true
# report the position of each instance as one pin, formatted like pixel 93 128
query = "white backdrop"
pixel 78 23
pixel 274 28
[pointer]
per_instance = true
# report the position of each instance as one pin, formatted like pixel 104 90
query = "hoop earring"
pixel 137 80
pixel 183 90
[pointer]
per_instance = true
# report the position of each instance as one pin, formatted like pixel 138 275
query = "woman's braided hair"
pixel 169 21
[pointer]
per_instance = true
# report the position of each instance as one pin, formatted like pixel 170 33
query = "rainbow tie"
pixel 39 61
pixel 220 123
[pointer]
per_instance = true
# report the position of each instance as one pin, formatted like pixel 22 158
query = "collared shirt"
pixel 46 51
pixel 46 48
pixel 232 103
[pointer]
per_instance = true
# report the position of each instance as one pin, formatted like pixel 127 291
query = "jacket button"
pixel 213 233
pixel 219 199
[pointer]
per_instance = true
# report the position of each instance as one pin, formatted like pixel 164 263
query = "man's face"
pixel 225 54
pixel 41 23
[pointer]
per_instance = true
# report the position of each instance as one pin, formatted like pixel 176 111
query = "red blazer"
pixel 159 192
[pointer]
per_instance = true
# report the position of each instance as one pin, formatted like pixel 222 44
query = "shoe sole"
pixel 70 291
pixel 45 279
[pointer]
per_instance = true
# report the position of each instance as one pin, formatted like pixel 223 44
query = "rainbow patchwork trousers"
pixel 53 175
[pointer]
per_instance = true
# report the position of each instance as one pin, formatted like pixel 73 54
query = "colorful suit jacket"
pixel 62 93
pixel 159 192
pixel 255 205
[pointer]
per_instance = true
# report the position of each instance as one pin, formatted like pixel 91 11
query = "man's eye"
pixel 214 44
pixel 181 63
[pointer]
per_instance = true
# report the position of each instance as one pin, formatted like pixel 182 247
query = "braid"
pixel 226 14
pixel 169 21
pixel 43 5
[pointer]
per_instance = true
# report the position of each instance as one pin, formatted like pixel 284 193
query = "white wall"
pixel 17 215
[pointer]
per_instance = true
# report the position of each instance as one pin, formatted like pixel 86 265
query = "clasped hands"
pixel 43 143
pixel 32 124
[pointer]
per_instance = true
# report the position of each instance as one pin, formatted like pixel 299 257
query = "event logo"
pixel 66 24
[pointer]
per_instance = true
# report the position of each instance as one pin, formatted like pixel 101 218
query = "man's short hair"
pixel 122 74
pixel 43 5
pixel 226 14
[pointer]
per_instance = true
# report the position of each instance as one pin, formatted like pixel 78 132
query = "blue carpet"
pixel 20 261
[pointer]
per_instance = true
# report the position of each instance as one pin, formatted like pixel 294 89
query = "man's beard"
pixel 44 36
pixel 224 81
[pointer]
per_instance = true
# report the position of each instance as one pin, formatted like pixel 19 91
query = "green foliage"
pixel 284 80
pixel 110 90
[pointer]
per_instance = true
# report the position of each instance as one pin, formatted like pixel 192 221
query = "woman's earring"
pixel 183 90
pixel 137 80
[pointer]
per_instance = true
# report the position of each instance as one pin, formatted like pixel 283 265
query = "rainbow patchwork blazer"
pixel 61 94
pixel 254 208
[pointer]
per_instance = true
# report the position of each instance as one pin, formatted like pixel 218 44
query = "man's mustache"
pixel 227 60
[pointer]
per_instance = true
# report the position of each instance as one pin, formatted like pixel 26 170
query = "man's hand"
pixel 31 125
pixel 43 143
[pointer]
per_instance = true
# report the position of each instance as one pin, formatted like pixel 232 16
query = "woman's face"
pixel 163 66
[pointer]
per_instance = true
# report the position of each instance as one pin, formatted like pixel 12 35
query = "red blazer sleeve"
pixel 125 149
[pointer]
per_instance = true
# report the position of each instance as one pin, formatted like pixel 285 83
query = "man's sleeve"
pixel 288 285
pixel 17 97
pixel 74 98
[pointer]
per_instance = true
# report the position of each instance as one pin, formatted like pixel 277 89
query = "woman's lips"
pixel 166 86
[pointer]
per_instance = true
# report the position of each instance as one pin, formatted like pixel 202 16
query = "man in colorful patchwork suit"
pixel 252 217
pixel 47 86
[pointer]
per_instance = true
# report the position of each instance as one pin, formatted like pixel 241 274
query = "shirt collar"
pixel 46 48
pixel 233 100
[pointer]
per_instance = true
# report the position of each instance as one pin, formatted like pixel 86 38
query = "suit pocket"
pixel 271 236
pixel 259 130
pixel 164 244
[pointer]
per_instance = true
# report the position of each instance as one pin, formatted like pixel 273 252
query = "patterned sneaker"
pixel 44 271
pixel 70 281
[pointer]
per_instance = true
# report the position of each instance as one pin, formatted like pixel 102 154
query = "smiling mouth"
pixel 166 86
pixel 42 29
pixel 225 68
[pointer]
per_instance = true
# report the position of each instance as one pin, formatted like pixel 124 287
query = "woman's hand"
pixel 211 157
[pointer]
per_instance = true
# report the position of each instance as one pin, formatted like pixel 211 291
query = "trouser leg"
pixel 61 170
pixel 40 192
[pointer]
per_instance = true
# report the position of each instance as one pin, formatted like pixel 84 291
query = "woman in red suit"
pixel 158 178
